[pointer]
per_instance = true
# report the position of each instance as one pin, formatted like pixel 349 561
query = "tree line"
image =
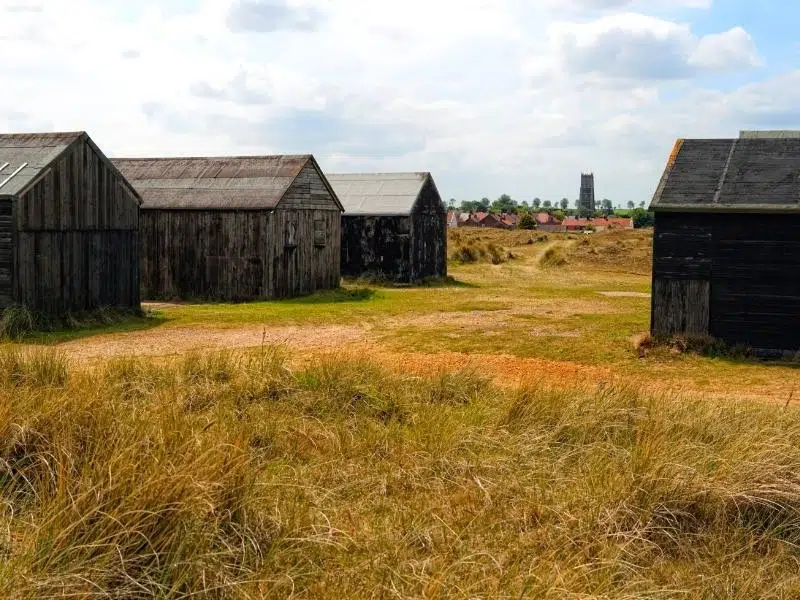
pixel 559 209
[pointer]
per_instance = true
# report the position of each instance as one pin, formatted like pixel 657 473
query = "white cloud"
pixel 722 51
pixel 636 46
pixel 389 85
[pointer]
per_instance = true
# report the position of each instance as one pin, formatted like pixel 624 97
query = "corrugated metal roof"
pixel 38 150
pixel 729 175
pixel 243 182
pixel 378 193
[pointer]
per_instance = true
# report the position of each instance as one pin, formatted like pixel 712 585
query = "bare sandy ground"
pixel 179 340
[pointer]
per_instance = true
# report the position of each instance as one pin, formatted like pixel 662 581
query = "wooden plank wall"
pixel 377 245
pixel 244 255
pixel 6 252
pixel 429 235
pixel 735 276
pixel 682 255
pixel 77 238
pixel 193 254
pixel 755 289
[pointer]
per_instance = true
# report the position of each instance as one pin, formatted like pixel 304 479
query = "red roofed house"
pixel 547 222
pixel 490 220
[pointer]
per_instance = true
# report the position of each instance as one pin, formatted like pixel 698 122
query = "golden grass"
pixel 230 475
pixel 630 251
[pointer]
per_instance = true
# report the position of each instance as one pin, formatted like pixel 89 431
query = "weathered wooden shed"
pixel 235 228
pixel 726 250
pixel 68 226
pixel 394 225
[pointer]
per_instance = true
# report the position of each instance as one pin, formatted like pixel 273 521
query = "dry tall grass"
pixel 229 476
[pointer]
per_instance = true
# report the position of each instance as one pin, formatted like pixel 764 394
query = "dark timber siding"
pixel 731 275
pixel 77 237
pixel 402 248
pixel 245 254
pixel 428 235
pixel 376 245
pixel 6 252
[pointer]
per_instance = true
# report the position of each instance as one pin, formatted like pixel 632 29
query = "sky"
pixel 490 96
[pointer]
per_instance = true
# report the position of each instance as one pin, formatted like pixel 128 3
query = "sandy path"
pixel 179 340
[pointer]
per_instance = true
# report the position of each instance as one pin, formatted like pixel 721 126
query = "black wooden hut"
pixel 235 228
pixel 394 225
pixel 726 250
pixel 68 226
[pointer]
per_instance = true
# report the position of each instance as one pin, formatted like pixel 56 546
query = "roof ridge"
pixel 236 157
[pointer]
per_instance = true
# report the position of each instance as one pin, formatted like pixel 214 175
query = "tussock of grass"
pixel 553 257
pixel 227 475
pixel 702 345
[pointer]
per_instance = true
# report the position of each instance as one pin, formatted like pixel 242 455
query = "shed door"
pixel 6 252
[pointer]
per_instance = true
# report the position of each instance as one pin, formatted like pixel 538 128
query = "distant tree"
pixel 641 204
pixel 642 218
pixel 451 203
pixel 537 203
pixel 631 204
pixel 527 221
pixel 564 204
pixel 559 214
pixel 547 205
pixel 504 204
pixel 485 203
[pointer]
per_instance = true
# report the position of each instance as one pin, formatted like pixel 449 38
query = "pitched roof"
pixel 747 174
pixel 24 156
pixel 207 183
pixel 378 193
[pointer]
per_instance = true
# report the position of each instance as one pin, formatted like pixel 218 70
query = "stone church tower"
pixel 586 203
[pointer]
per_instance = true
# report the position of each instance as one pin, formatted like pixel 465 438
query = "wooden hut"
pixel 68 226
pixel 726 250
pixel 235 228
pixel 394 225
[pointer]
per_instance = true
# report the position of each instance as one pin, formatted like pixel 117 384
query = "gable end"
pixel 310 190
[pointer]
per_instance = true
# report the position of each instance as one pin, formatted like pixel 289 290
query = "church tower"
pixel 586 204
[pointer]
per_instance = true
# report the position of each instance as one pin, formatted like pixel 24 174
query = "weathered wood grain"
pixel 239 255
pixel 401 248
pixel 75 237
pixel 749 263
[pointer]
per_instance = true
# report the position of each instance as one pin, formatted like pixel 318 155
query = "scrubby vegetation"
pixel 629 250
pixel 472 246
pixel 232 476
pixel 19 322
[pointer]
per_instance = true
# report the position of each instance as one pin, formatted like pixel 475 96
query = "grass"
pixel 230 475
pixel 18 323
